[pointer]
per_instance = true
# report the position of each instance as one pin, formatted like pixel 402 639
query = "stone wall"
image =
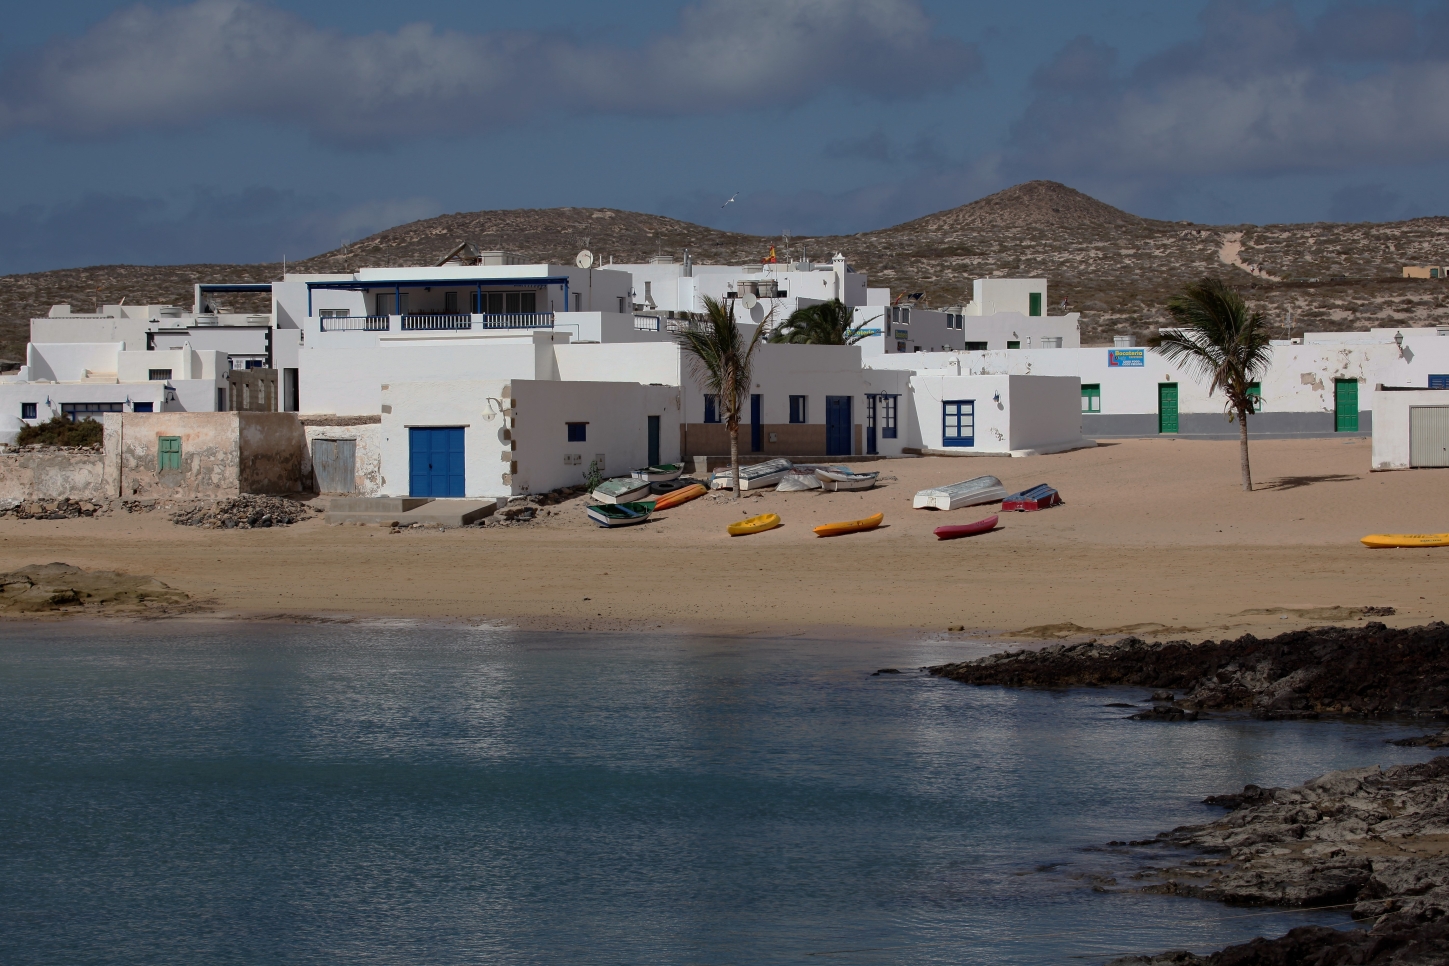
pixel 222 454
pixel 52 473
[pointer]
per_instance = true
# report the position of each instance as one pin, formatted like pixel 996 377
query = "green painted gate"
pixel 1345 405
pixel 1167 407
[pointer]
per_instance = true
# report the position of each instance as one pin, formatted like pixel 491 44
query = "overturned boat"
pixel 661 473
pixel 756 476
pixel 983 489
pixel 841 478
pixel 624 489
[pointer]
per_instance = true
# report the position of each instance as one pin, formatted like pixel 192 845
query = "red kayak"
pixel 966 529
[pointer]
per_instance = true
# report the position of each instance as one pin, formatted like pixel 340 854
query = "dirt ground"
pixel 1156 537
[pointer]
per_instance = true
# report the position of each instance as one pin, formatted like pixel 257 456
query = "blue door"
pixel 837 426
pixel 870 402
pixel 435 461
pixel 958 422
pixel 757 423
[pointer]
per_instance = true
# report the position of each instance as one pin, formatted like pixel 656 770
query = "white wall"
pixel 463 403
pixel 1391 425
pixel 68 361
pixel 992 295
pixel 1020 415
pixel 349 381
pixel 656 362
pixel 617 431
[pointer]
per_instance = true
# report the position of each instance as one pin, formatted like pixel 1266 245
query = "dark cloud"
pixel 873 147
pixel 1257 92
pixel 175 67
pixel 1365 202
pixel 198 225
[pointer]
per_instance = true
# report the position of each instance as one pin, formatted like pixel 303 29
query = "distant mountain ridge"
pixel 1114 267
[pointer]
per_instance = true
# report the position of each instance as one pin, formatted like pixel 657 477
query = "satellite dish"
pixel 750 300
pixel 584 259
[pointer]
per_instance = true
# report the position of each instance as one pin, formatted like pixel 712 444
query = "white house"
pixel 1004 313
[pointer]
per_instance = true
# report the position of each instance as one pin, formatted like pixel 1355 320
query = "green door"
pixel 1167 407
pixel 1345 405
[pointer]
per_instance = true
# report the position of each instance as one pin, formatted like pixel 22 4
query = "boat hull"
pixel 849 526
pixel 621 494
pixel 692 492
pixel 1039 497
pixel 966 529
pixel 833 481
pixel 982 489
pixel 756 524
pixel 1381 541
pixel 620 514
pixel 659 474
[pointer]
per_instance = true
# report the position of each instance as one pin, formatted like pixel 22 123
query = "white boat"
pixel 659 474
pixel 755 476
pixel 624 489
pixel 983 489
pixel 838 478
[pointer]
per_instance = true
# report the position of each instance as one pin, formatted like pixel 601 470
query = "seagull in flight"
pixel 731 201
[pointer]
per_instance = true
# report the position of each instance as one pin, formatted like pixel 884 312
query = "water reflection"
pixel 407 793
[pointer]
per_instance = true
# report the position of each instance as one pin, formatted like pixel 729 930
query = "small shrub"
pixel 62 432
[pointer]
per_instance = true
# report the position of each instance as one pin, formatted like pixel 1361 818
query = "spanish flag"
pixel 771 260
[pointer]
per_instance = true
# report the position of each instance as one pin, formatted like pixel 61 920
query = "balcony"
pixel 355 323
pixel 436 323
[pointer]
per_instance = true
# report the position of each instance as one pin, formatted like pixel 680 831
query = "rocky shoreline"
pixel 1376 839
pixel 1372 670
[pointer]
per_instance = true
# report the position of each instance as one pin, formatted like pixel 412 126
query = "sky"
pixel 242 130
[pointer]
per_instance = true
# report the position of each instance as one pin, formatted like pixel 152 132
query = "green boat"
pixel 620 514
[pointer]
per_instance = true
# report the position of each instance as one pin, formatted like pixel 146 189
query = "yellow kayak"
pixel 1406 540
pixel 759 524
pixel 849 526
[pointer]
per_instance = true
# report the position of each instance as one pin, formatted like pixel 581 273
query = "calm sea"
pixel 409 794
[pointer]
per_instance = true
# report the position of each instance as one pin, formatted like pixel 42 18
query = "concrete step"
pixel 376 504
pixel 449 513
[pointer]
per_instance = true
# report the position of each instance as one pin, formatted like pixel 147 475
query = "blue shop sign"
pixel 1123 358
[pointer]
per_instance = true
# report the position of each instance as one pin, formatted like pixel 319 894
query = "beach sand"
pixel 1156 537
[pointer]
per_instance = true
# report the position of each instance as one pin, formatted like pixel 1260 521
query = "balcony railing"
pixel 646 323
pixel 514 320
pixel 355 323
pixel 436 323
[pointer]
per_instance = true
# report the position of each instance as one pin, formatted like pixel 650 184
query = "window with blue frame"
pixel 143 407
pixel 1439 382
pixel 888 416
pixel 958 422
pixel 711 408
pixel 27 410
pixel 797 409
pixel 578 432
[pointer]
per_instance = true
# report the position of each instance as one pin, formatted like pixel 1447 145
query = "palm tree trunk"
pixel 735 457
pixel 1243 438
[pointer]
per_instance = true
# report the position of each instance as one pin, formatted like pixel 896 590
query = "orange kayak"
pixel 681 495
pixel 849 526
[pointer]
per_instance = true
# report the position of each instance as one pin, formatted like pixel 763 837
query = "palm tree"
pixel 721 359
pixel 1219 339
pixel 828 323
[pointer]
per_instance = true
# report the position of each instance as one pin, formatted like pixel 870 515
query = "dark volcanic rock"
pixel 1378 839
pixel 1368 670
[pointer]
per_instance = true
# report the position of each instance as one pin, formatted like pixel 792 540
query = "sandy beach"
pixel 1155 538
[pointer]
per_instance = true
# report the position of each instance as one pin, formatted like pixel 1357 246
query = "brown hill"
pixel 1032 204
pixel 1114 267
